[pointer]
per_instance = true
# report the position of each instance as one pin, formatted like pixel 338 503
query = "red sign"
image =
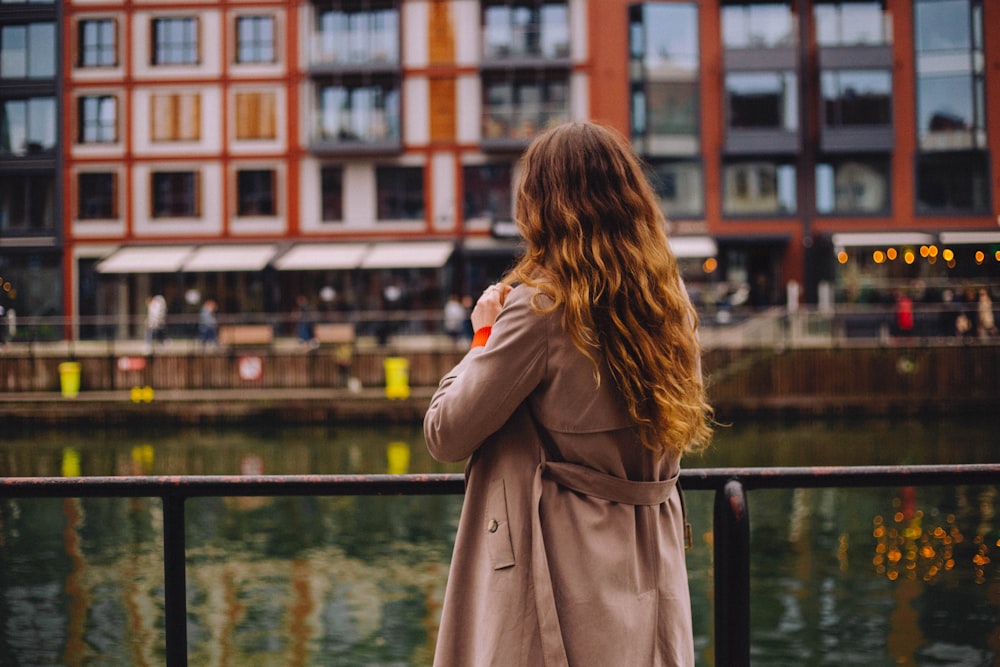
pixel 131 363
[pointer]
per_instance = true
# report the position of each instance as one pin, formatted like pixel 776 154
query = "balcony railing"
pixel 731 519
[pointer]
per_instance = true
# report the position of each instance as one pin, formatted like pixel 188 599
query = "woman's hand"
pixel 489 305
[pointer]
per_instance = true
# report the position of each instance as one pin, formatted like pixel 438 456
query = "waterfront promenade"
pixel 764 364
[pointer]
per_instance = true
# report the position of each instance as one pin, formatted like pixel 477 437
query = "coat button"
pixel 492 526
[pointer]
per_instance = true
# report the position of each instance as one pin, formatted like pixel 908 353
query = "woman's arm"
pixel 478 396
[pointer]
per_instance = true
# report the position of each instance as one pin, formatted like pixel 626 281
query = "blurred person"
pixel 455 316
pixel 156 321
pixel 985 320
pixel 208 325
pixel 580 395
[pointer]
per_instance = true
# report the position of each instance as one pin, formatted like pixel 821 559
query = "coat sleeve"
pixel 480 394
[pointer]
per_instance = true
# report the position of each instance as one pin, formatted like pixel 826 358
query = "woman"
pixel 580 395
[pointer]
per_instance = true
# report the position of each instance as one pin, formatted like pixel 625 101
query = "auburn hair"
pixel 597 247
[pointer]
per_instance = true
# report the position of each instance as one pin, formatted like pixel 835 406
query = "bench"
pixel 338 334
pixel 246 334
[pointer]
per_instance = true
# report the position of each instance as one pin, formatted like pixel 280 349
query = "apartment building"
pixel 363 153
pixel 30 208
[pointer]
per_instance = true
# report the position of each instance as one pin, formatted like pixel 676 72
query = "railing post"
pixel 732 576
pixel 174 581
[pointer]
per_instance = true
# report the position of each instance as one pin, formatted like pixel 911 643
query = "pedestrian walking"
pixel 576 403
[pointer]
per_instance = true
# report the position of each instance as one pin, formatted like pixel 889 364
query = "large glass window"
pixel 664 52
pixel 359 110
pixel 332 194
pixel 348 33
pixel 679 186
pixel 950 74
pixel 526 29
pixel 762 100
pixel 28 125
pixel 175 41
pixel 175 194
pixel 98 43
pixel 757 25
pixel 27 203
pixel 28 51
pixel 852 24
pixel 98 116
pixel 953 183
pixel 518 105
pixel 758 188
pixel 852 186
pixel 97 196
pixel 255 39
pixel 487 191
pixel 400 193
pixel 255 192
pixel 857 97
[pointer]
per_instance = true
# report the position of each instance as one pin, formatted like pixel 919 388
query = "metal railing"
pixel 720 326
pixel 731 519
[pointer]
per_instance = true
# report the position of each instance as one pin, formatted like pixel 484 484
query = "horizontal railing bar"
pixel 450 483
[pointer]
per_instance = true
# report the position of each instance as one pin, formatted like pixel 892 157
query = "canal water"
pixel 895 576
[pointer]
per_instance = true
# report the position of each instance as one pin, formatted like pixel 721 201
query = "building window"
pixel 758 188
pixel 176 117
pixel 332 194
pixel 762 100
pixel 663 45
pixel 255 39
pixel 360 111
pixel 525 29
pixel 852 24
pixel 518 105
pixel 256 116
pixel 98 43
pixel 348 33
pixel 255 192
pixel 28 51
pixel 27 203
pixel 857 97
pixel 758 25
pixel 680 187
pixel 851 186
pixel 953 182
pixel 175 41
pixel 175 194
pixel 97 196
pixel 487 192
pixel 28 126
pixel 98 116
pixel 951 102
pixel 400 193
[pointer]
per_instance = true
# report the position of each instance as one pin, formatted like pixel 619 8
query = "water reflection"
pixel 902 576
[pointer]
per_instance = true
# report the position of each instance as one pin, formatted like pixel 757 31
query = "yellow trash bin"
pixel 69 378
pixel 397 377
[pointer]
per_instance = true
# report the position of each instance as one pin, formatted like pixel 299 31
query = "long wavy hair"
pixel 596 246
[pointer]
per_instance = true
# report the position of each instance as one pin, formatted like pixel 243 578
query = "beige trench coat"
pixel 570 547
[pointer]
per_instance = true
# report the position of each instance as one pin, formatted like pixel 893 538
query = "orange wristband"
pixel 482 335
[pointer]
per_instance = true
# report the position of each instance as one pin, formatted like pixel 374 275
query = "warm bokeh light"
pixel 932 251
pixel 924 251
pixel 891 254
pixel 948 255
pixel 842 256
pixel 710 265
pixel 909 257
pixel 980 256
pixel 878 256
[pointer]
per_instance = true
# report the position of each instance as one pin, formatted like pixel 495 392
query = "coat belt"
pixel 589 482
